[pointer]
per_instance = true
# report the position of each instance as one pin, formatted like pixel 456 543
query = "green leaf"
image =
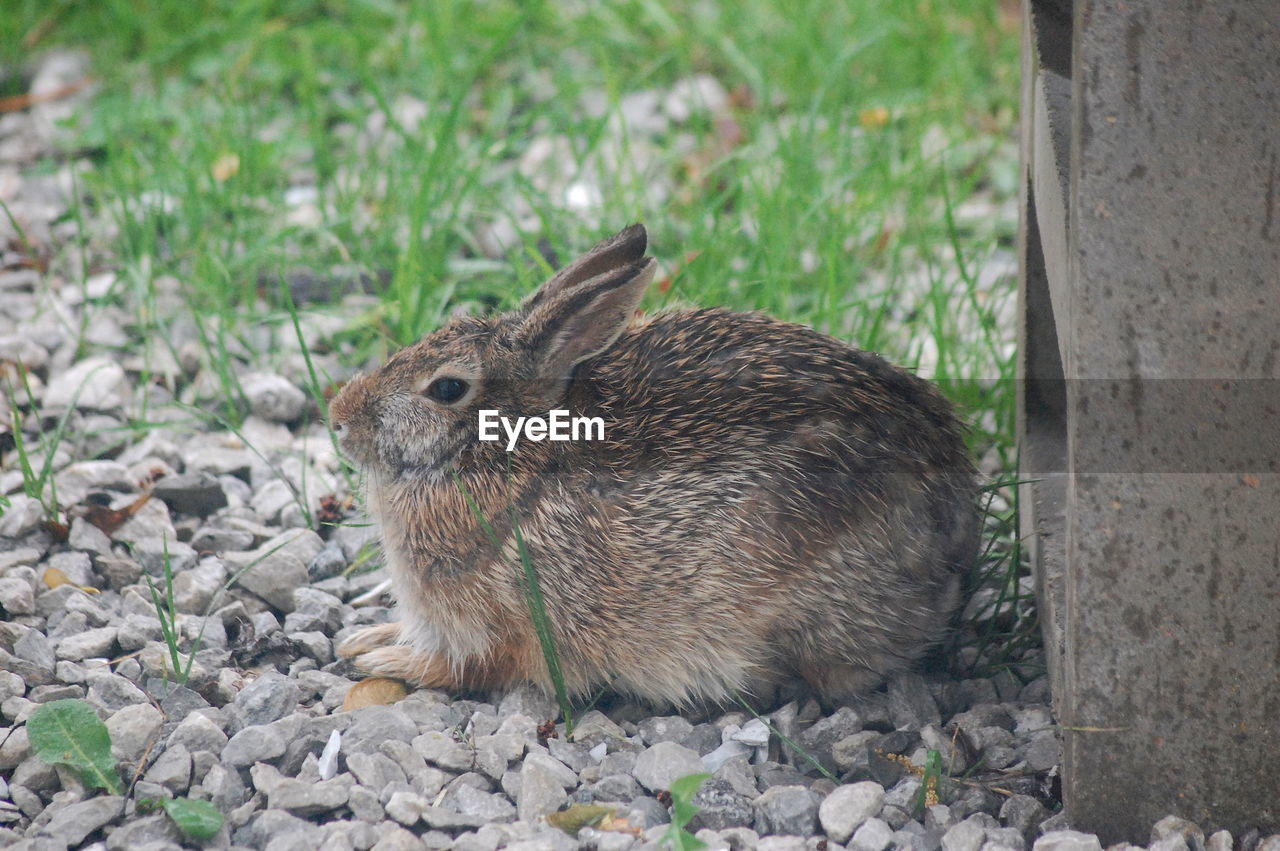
pixel 69 732
pixel 197 819
pixel 683 811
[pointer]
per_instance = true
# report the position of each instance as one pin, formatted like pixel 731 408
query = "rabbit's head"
pixel 418 414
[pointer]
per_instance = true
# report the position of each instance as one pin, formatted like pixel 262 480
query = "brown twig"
pixel 15 103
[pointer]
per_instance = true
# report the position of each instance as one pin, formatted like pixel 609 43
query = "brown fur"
pixel 768 503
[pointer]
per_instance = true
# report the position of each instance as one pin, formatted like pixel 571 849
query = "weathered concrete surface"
pixel 1167 324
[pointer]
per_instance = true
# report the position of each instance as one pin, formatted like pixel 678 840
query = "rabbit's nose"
pixel 339 430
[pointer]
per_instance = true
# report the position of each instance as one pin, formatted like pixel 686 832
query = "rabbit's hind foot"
pixel 368 639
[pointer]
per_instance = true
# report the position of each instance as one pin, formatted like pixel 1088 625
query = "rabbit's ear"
pixel 583 321
pixel 626 246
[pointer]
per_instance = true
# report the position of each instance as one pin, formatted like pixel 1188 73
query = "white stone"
pixel 845 809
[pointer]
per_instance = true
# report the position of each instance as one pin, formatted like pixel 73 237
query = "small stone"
pixel 874 835
pixel 253 744
pixel 16 596
pixel 15 747
pixel 819 740
pixel 738 774
pixel 132 729
pixel 73 823
pixel 136 631
pixel 199 494
pixel 939 817
pixel 911 704
pixel 540 792
pixel 155 831
pixel 1220 840
pixel 1004 839
pixel 90 644
pixel 671 728
pixel 1024 813
pixel 279 566
pixel 720 806
pixel 329 562
pixel 616 787
pixel 96 383
pixel 844 810
pixel 197 733
pixel 1031 719
pixel 968 835
pixel 272 695
pixel 488 807
pixel 154 552
pixel 375 770
pixel 953 758
pixel 1042 753
pixel 1171 827
pixel 172 770
pixel 35 648
pixel 664 763
pixel 786 810
pixel 307 798
pixel 703 738
pixel 273 397
pixel 194 589
pixel 372 727
pixel 1067 840
pixel 563 775
pixel 440 749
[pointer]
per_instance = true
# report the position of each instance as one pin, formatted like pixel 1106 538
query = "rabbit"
pixel 769 506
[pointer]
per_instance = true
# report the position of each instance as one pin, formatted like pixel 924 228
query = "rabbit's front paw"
pixel 368 639
pixel 401 662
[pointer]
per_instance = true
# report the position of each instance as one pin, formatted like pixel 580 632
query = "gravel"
pixel 265 697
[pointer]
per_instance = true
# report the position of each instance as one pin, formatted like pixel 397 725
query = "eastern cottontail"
pixel 768 504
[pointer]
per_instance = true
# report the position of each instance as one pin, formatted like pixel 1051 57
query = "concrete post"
pixel 1150 330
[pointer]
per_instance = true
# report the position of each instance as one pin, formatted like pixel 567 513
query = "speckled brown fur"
pixel 768 504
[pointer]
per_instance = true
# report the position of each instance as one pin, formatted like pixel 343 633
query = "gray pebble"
pixel 848 807
pixel 540 792
pixel 1171 827
pixel 74 822
pixel 272 695
pixel 1067 840
pixel 253 744
pixel 200 494
pixel 659 766
pixel 93 643
pixel 307 797
pixel 488 807
pixel 967 835
pixel 874 835
pixel 786 810
pixel 16 596
pixel 720 806
pixel 132 729
pixel 172 770
pixel 671 728
pixel 273 397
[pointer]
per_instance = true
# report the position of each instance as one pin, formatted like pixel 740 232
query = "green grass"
pixel 861 179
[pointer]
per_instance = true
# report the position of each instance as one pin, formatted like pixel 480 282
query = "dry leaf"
pixel 53 577
pixel 225 167
pixel 578 816
pixel 874 117
pixel 111 519
pixel 375 691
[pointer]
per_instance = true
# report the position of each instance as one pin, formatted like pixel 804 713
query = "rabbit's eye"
pixel 446 391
